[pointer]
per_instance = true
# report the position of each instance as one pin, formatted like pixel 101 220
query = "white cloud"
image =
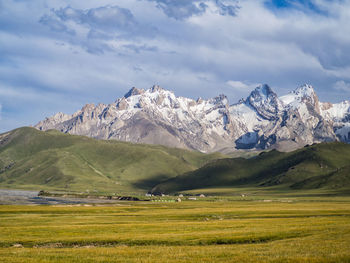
pixel 94 51
pixel 341 85
pixel 107 18
pixel 183 9
pixel 0 111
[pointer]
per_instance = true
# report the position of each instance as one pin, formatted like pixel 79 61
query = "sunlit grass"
pixel 198 231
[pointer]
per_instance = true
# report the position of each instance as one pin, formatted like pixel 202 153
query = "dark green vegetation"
pixel 283 230
pixel 323 166
pixel 32 159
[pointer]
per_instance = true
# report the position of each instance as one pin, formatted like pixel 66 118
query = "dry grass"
pixel 228 231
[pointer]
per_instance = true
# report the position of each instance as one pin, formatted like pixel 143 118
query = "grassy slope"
pixel 321 166
pixel 197 231
pixel 32 159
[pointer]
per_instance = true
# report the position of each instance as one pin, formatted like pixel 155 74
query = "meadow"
pixel 289 229
pixel 32 160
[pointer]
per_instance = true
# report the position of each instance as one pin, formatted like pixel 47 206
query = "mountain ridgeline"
pixel 134 145
pixel 261 121
pixel 324 166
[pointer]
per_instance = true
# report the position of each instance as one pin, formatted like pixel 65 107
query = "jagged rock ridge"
pixel 261 121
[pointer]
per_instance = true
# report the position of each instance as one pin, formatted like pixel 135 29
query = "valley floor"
pixel 277 230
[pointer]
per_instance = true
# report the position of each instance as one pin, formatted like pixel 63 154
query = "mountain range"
pixel 261 121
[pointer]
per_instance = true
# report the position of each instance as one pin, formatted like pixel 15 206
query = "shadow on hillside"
pixel 149 183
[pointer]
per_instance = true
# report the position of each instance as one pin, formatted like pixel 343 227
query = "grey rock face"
pixel 265 102
pixel 261 121
pixel 133 91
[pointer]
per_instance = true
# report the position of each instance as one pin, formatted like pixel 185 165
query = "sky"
pixel 56 56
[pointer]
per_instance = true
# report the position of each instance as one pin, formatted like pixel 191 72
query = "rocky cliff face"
pixel 262 121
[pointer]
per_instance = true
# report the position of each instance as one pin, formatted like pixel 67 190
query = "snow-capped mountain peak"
pixel 219 100
pixel 265 102
pixel 134 91
pixel 305 90
pixel 304 93
pixel 156 88
pixel 264 91
pixel 262 120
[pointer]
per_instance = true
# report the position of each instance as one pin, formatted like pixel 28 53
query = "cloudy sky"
pixel 58 55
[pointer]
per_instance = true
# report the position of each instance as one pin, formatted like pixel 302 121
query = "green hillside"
pixel 32 159
pixel 321 166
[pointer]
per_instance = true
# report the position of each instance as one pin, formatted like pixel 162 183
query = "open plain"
pixel 232 229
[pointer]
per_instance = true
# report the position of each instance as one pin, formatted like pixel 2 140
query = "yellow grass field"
pixel 286 230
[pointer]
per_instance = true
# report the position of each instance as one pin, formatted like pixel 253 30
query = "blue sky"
pixel 58 55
